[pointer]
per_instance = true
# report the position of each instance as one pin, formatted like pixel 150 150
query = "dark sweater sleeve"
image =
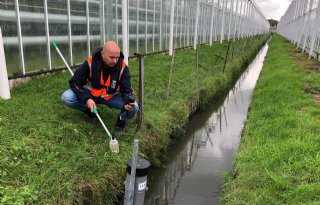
pixel 78 80
pixel 125 84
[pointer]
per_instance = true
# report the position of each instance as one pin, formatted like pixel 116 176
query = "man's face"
pixel 110 56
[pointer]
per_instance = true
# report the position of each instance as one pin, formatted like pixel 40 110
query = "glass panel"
pixel 119 23
pixel 157 25
pixel 166 22
pixel 110 24
pixel 58 27
pixel 95 22
pixel 132 18
pixel 12 60
pixel 142 25
pixel 79 31
pixel 33 35
pixel 10 39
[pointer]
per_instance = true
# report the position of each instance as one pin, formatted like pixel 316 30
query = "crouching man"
pixel 103 78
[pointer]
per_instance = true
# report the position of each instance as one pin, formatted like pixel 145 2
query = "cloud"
pixel 273 9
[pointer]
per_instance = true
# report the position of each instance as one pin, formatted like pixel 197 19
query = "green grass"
pixel 49 154
pixel 279 158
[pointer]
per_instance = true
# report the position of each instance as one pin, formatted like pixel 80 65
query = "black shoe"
pixel 120 124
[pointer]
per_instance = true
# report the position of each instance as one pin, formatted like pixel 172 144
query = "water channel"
pixel 194 168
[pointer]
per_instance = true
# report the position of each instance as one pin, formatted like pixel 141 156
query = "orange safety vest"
pixel 102 92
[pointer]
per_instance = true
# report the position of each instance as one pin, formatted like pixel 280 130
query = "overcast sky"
pixel 273 9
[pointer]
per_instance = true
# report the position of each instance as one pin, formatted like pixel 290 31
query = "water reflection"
pixel 194 168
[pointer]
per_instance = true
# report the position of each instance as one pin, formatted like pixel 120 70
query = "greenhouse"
pixel 150 26
pixel 159 102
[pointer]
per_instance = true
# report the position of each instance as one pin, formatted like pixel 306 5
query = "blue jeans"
pixel 70 99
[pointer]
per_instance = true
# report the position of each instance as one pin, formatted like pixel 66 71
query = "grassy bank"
pixel 279 158
pixel 49 154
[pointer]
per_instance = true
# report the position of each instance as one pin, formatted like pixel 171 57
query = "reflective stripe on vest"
pixel 103 91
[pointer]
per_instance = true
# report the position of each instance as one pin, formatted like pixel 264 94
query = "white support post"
pixel 176 24
pixel 230 19
pixel 69 32
pixel 205 26
pixel 154 25
pixel 184 22
pixel 166 26
pixel 245 25
pixel 146 28
pixel 254 21
pixel 216 23
pixel 241 32
pixel 180 26
pixel 300 33
pixel 224 5
pixel 296 34
pixel 103 24
pixel 20 37
pixel 249 22
pixel 4 82
pixel 306 33
pixel 192 24
pixel 293 14
pixel 128 27
pixel 236 21
pixel 161 25
pixel 137 27
pixel 240 19
pixel 47 33
pixel 125 48
pixel 200 23
pixel 195 38
pixel 296 9
pixel 189 23
pixel 211 24
pixel 302 25
pixel 88 27
pixel 308 26
pixel 117 29
pixel 201 30
pixel 173 2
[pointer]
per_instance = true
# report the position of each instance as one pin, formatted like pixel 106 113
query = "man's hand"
pixel 129 106
pixel 91 104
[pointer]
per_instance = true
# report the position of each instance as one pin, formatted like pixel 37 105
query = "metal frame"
pixel 146 28
pixel 103 23
pixel 70 32
pixel 20 37
pixel 88 27
pixel 153 26
pixel 171 27
pixel 47 33
pixel 196 26
pixel 224 5
pixel 125 40
pixel 137 27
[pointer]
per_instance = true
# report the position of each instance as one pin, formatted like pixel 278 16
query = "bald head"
pixel 111 46
pixel 110 53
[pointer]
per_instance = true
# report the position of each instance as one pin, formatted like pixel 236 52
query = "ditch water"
pixel 194 168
